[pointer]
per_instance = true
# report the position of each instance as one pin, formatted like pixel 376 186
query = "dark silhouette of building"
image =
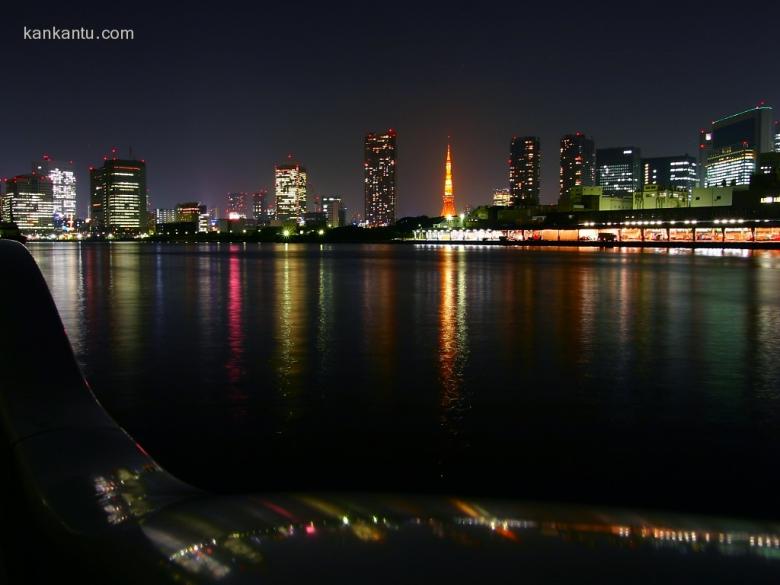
pixel 578 162
pixel 678 173
pixel 524 164
pixel 619 170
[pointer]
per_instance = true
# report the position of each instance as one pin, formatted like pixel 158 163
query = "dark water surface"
pixel 643 378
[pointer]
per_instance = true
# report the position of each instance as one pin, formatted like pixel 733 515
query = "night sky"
pixel 212 100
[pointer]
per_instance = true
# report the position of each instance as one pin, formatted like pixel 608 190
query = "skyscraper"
pixel 578 162
pixel 29 203
pixel 335 212
pixel 705 149
pixel 118 196
pixel 448 199
pixel 189 211
pixel 676 173
pixel 524 163
pixel 730 166
pixel 163 215
pixel 618 170
pixel 501 198
pixel 777 136
pixel 63 184
pixel 260 206
pixel 291 185
pixel 238 206
pixel 737 140
pixel 379 178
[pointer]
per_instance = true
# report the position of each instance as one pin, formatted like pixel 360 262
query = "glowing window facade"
pixel 63 184
pixel 619 170
pixel 118 196
pixel 291 185
pixel 29 203
pixel 730 167
pixel 379 178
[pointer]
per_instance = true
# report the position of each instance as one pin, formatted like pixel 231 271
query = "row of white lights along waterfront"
pixel 727 229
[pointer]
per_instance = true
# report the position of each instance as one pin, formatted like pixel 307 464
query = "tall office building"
pixel 379 178
pixel 777 136
pixel 118 196
pixel 448 198
pixel 238 205
pixel 705 150
pixel 578 162
pixel 524 164
pixel 730 167
pixel 260 205
pixel 676 173
pixel 291 185
pixel 189 211
pixel 619 170
pixel 501 198
pixel 163 216
pixel 63 185
pixel 737 140
pixel 769 164
pixel 28 202
pixel 335 212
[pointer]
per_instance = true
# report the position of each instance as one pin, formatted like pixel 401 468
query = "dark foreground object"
pixel 83 502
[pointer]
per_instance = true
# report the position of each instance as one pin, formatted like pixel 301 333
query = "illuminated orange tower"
pixel 448 207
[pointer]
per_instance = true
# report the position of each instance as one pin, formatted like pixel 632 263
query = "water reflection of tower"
pixel 290 331
pixel 234 364
pixel 453 337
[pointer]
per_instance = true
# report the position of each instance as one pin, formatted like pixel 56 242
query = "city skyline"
pixel 220 123
pixel 620 170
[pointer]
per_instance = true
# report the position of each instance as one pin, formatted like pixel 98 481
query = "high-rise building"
pixel 335 212
pixel 118 196
pixel 769 164
pixel 238 206
pixel 727 167
pixel 291 185
pixel 163 216
pixel 260 206
pixel 619 170
pixel 28 202
pixel 675 173
pixel 777 136
pixel 502 198
pixel 524 164
pixel 448 198
pixel 190 211
pixel 578 162
pixel 705 150
pixel 63 185
pixel 379 178
pixel 737 140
